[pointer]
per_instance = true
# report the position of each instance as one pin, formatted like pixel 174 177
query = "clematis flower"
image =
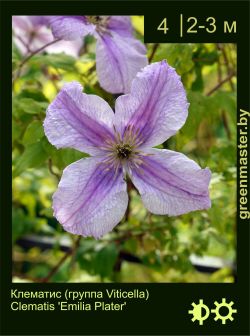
pixel 119 56
pixel 32 33
pixel 91 197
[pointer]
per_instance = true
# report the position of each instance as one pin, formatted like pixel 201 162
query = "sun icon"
pixel 223 306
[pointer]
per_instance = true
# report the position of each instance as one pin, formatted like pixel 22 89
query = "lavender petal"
pixel 121 25
pixel 21 22
pixel 71 48
pixel 78 120
pixel 70 27
pixel 38 20
pixel 118 59
pixel 157 106
pixel 170 183
pixel 90 199
pixel 30 34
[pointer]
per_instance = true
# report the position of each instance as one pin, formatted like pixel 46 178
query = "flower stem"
pixel 226 61
pixel 155 47
pixel 27 58
pixel 217 86
pixel 127 213
pixel 69 253
pixel 50 166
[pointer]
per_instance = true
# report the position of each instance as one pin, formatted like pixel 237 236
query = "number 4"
pixel 163 26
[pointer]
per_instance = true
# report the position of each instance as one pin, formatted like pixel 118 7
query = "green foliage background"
pixel 143 247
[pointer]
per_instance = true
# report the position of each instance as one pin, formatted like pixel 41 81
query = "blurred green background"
pixel 196 247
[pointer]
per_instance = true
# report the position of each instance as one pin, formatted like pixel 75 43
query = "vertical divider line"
pixel 181 25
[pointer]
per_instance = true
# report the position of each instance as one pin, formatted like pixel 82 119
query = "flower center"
pixel 100 22
pixel 123 151
pixel 94 19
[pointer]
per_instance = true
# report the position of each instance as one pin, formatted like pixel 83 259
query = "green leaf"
pixel 61 61
pixel 196 112
pixel 33 133
pixel 198 84
pixel 48 148
pixel 105 260
pixel 65 156
pixel 209 58
pixel 33 156
pixel 34 94
pixel 227 101
pixel 17 130
pixel 178 55
pixel 28 105
pixel 21 223
pixel 61 157
pixel 131 245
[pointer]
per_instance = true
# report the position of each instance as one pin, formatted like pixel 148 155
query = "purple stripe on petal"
pixel 91 199
pixel 156 107
pixel 75 119
pixel 118 59
pixel 172 184
pixel 121 25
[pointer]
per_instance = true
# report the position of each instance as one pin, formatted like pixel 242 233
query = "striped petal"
pixel 118 59
pixel 121 25
pixel 78 120
pixel 171 184
pixel 70 27
pixel 90 199
pixel 157 106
